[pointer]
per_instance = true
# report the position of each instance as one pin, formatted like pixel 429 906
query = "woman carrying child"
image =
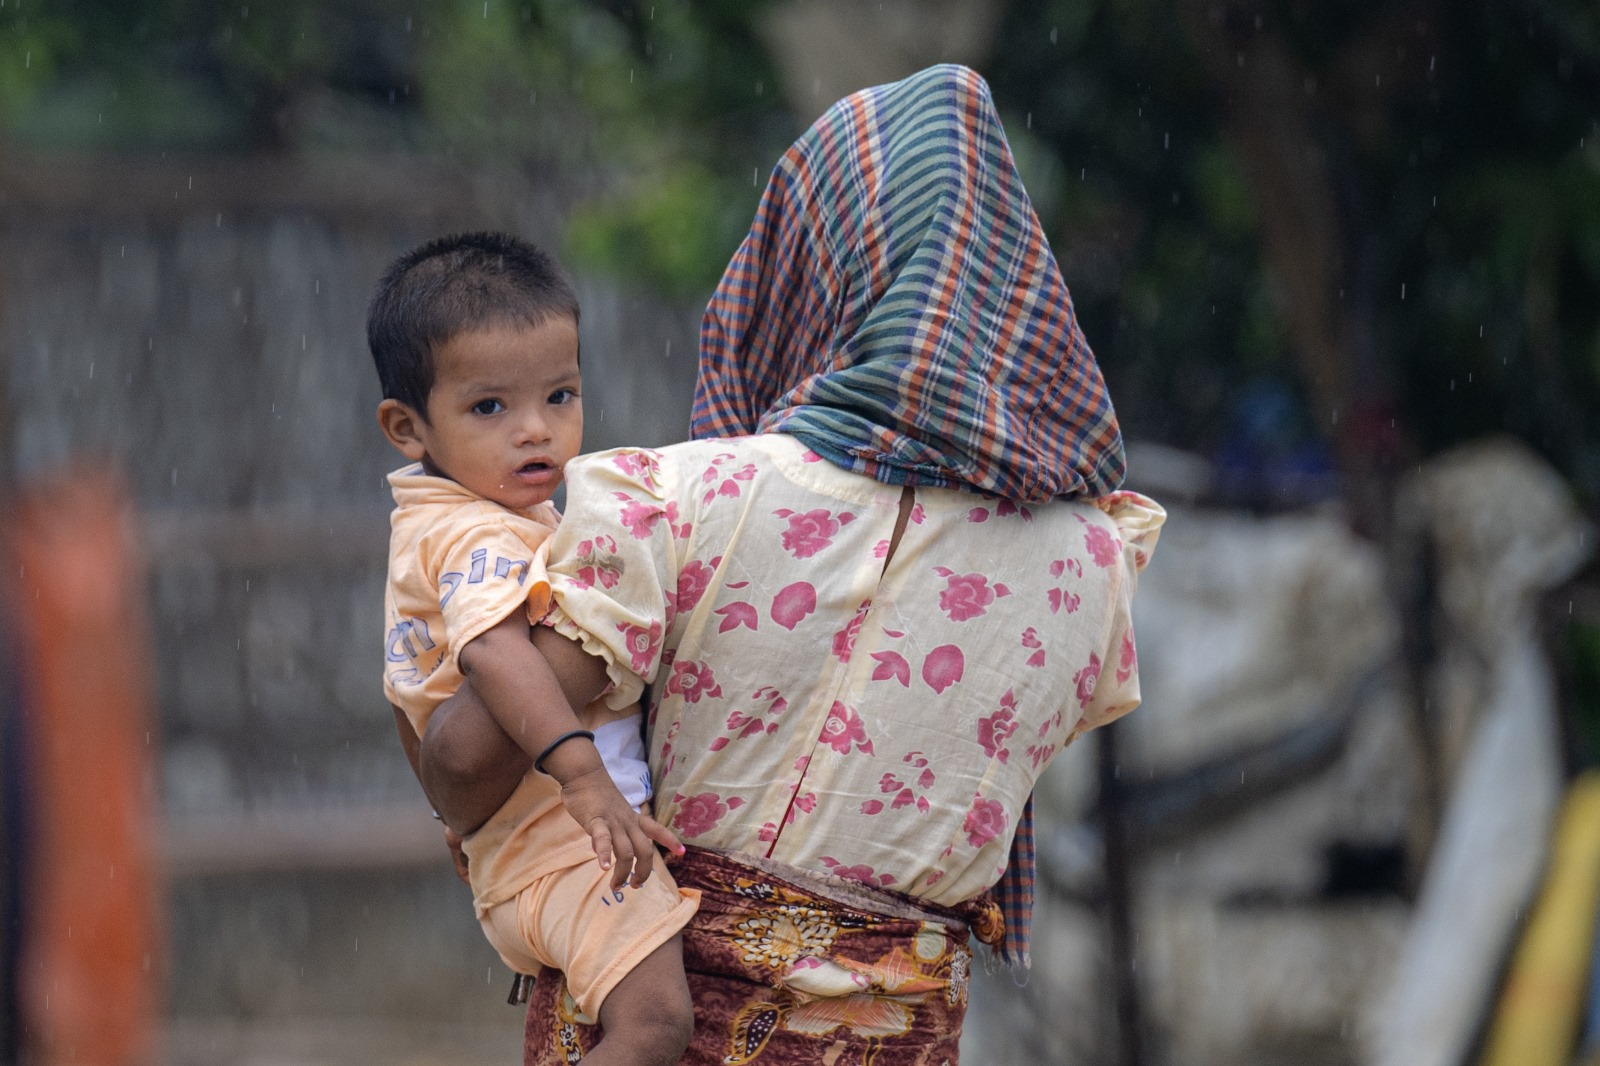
pixel 887 585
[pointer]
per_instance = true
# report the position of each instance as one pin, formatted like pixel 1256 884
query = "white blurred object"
pixel 1504 530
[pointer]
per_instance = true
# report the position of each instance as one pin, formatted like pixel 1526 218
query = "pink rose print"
pixel 1102 545
pixel 966 596
pixel 809 456
pixel 809 533
pixel 985 821
pixel 918 515
pixel 891 664
pixel 693 580
pixel 996 729
pixel 603 542
pixel 729 480
pixel 641 644
pixel 1129 659
pixel 872 807
pixel 604 576
pixel 793 603
pixel 692 680
pixel 640 517
pixel 700 814
pixel 978 514
pixel 860 872
pixel 680 532
pixel 1030 639
pixel 905 795
pixel 1039 754
pixel 844 641
pixel 844 729
pixel 640 464
pixel 741 724
pixel 1085 680
pixel 943 667
pixel 1005 508
pixel 1062 566
pixel 735 615
pixel 667 757
pixel 1062 599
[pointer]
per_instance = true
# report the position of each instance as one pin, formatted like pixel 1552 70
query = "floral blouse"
pixel 808 703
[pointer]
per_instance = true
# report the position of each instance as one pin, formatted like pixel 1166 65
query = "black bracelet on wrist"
pixel 538 764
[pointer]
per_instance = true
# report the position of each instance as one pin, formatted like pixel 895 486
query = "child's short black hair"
pixel 451 285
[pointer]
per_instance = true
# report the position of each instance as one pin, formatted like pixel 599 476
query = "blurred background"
pixel 1339 262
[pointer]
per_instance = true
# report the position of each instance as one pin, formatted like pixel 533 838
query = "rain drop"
pixel 1052 35
pixel 1030 120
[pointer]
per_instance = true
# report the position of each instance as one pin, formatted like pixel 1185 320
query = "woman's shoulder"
pixel 741 459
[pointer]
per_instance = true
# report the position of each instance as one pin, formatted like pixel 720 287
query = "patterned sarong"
pixel 798 970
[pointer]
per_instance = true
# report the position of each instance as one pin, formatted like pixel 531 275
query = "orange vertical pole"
pixel 91 971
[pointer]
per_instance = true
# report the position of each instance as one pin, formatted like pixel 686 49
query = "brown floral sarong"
pixel 797 970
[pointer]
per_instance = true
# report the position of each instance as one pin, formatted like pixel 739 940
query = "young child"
pixel 475 338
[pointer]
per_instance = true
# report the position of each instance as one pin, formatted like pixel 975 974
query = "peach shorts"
pixel 570 920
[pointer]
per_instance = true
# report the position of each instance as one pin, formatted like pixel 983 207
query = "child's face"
pixel 505 413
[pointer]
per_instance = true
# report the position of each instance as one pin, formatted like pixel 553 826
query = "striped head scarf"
pixel 896 306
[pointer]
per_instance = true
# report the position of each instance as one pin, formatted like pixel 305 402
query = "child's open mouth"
pixel 537 472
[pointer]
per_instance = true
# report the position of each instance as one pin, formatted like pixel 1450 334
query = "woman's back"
pixel 812 704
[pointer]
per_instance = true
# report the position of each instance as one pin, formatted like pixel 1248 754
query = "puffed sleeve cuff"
pixel 610 562
pixel 1138 519
pixel 626 686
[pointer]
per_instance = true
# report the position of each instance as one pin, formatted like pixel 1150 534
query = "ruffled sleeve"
pixel 1113 675
pixel 615 552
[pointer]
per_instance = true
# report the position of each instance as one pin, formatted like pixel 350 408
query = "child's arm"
pixel 469 767
pixel 524 697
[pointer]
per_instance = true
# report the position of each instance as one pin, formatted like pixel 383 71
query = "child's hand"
pixel 615 829
pixel 458 857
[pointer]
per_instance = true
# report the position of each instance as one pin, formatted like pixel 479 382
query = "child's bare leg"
pixel 648 1017
pixel 468 765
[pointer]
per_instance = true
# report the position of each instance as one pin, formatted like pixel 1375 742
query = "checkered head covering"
pixel 895 306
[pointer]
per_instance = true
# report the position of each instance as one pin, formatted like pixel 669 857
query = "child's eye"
pixel 563 396
pixel 487 407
